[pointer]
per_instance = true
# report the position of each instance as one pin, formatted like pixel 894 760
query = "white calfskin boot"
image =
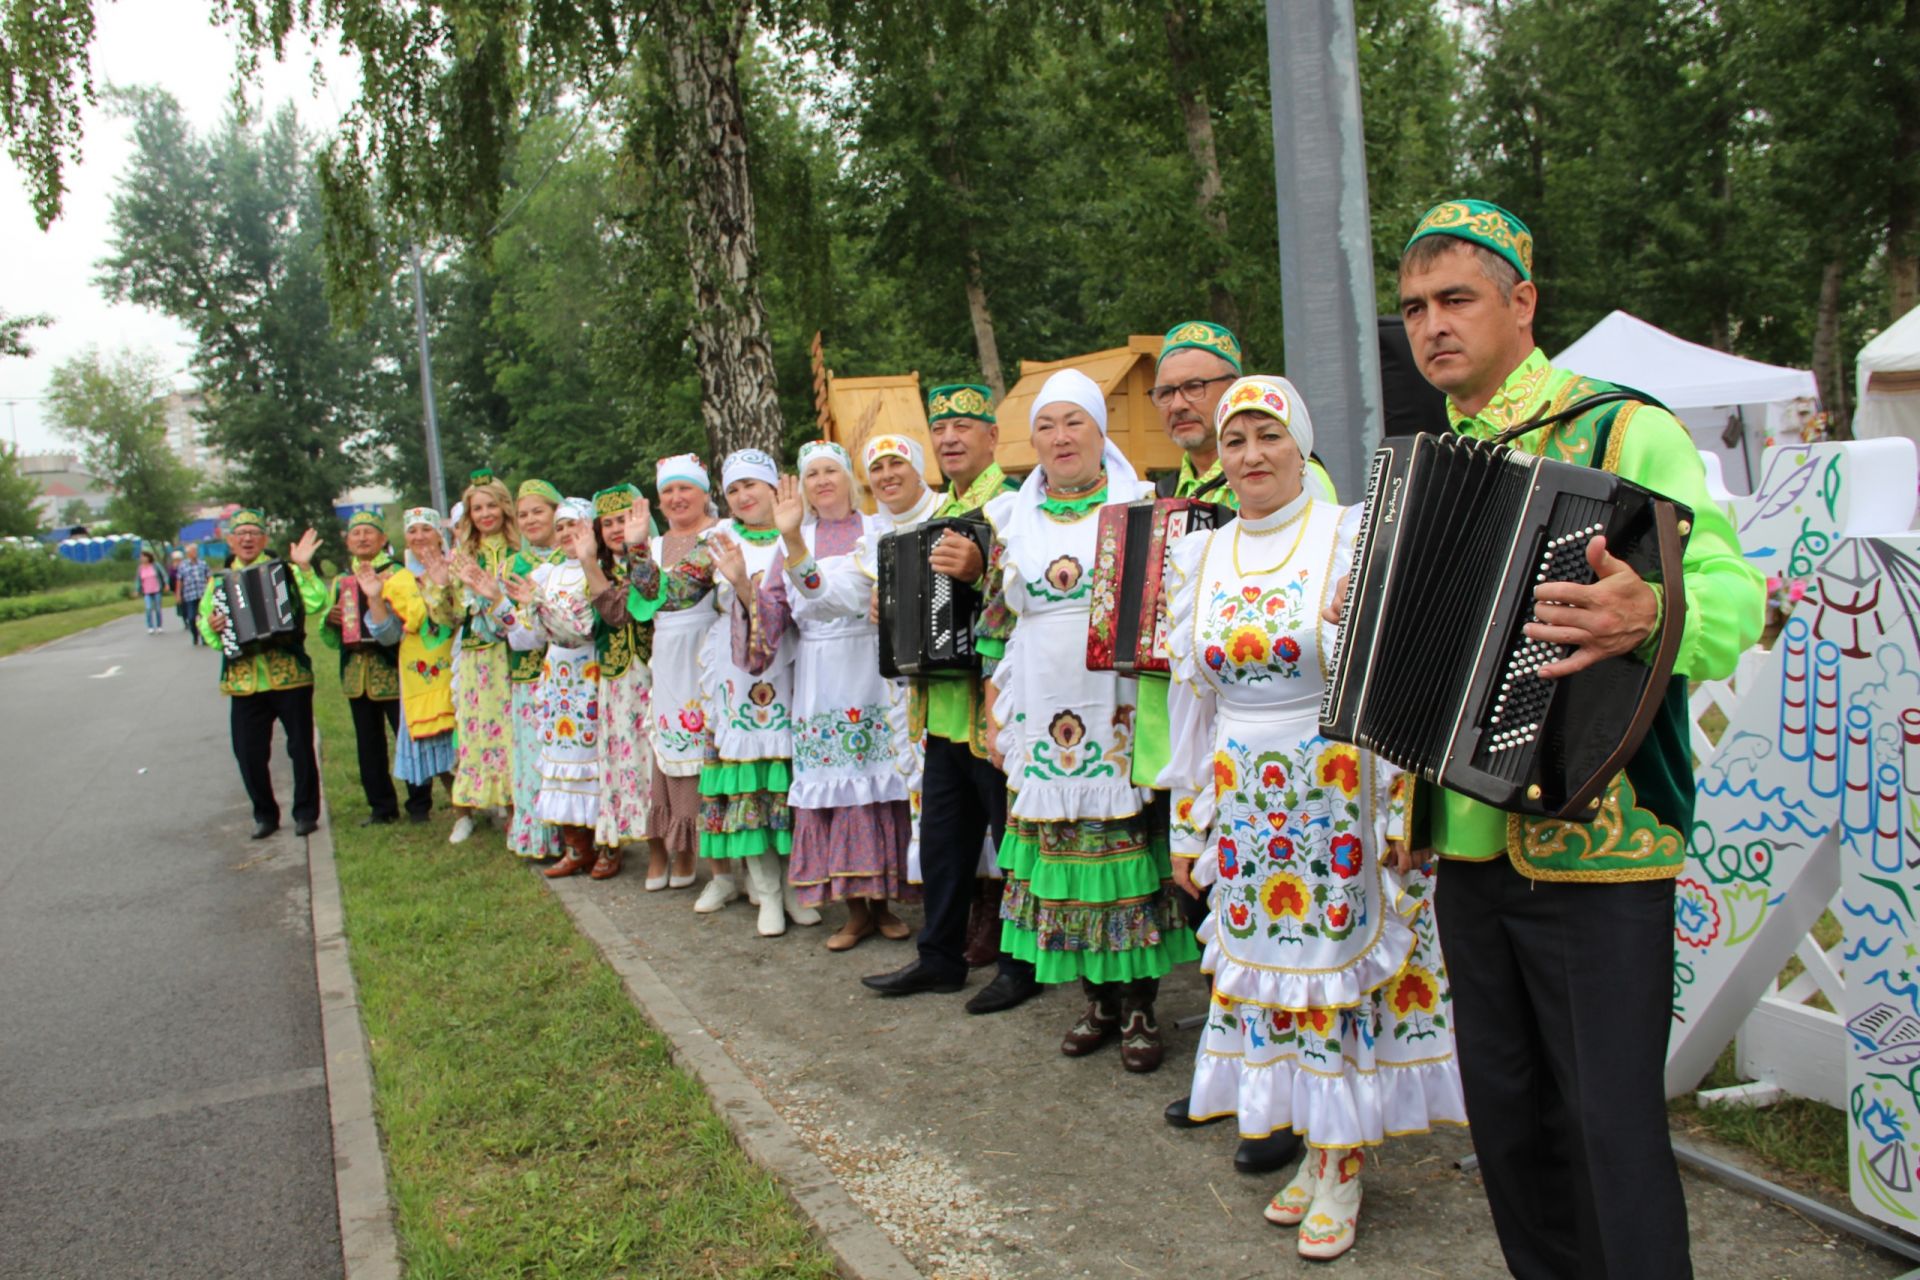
pixel 719 891
pixel 765 871
pixel 1287 1208
pixel 795 912
pixel 1333 1218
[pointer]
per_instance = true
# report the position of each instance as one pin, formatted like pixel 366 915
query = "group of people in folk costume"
pixel 713 691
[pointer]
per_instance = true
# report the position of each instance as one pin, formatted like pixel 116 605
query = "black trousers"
pixel 1562 1001
pixel 371 723
pixel 252 717
pixel 963 799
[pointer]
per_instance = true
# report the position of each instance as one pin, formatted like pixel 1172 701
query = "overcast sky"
pixel 172 44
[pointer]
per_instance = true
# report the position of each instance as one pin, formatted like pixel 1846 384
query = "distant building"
pixel 186 436
pixel 61 481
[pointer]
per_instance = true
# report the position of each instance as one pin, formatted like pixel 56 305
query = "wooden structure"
pixel 851 411
pixel 1125 374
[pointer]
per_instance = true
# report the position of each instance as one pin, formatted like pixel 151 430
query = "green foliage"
pixel 13 608
pixel 112 408
pixel 25 570
pixel 18 492
pixel 45 80
pixel 75 512
pixel 13 330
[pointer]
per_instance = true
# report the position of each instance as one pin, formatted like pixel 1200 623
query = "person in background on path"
pixel 964 795
pixel 1559 935
pixel 528 836
pixel 850 815
pixel 366 631
pixel 552 603
pixel 747 678
pixel 1089 892
pixel 483 744
pixel 680 732
pixel 190 583
pixel 152 582
pixel 270 681
pixel 1329 1010
pixel 424 750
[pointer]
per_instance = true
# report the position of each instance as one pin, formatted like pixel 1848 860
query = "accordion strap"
pixel 1568 414
pixel 1672 543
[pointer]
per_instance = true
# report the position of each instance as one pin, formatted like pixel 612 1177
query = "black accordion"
pixel 926 618
pixel 261 603
pixel 1432 669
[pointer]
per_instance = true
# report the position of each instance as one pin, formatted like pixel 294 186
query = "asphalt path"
pixel 163 1107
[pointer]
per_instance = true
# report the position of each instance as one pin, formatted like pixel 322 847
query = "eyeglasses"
pixel 1192 389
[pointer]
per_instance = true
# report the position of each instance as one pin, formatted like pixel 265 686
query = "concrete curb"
pixel 368 1246
pixel 862 1250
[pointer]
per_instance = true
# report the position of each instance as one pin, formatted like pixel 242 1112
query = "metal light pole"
pixel 1326 240
pixel 436 474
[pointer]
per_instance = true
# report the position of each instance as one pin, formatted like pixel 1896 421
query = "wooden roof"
pixel 851 411
pixel 1125 374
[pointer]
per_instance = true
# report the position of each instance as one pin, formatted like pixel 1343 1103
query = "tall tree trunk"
pixel 983 338
pixel 739 398
pixel 1828 369
pixel 1197 117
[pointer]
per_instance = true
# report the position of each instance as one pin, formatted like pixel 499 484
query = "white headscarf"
pixel 684 467
pixel 1076 388
pixel 748 464
pixel 1273 397
pixel 573 509
pixel 891 446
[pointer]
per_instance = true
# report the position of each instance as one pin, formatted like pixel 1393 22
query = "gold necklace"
pixel 1300 519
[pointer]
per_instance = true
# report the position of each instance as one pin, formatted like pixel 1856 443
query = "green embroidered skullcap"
pixel 362 519
pixel 542 490
pixel 960 400
pixel 611 502
pixel 480 475
pixel 1201 335
pixel 246 516
pixel 1484 224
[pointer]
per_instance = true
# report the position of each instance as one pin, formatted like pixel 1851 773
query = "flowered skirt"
pixel 1091 900
pixel 743 808
pixel 855 851
pixel 483 756
pixel 626 757
pixel 529 836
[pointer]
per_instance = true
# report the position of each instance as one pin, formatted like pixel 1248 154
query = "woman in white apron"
pixel 680 629
pixel 1330 1005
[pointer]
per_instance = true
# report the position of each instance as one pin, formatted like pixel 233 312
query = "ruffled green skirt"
pixel 743 808
pixel 1092 900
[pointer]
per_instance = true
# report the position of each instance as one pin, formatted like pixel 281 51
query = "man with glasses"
pixel 963 797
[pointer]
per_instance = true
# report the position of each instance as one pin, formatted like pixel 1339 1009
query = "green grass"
pixel 62 599
pixel 534 1125
pixel 28 632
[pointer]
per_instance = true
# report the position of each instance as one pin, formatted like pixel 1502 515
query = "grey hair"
pixel 1427 250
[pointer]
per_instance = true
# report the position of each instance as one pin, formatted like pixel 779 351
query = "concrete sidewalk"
pixel 987 1155
pixel 163 1103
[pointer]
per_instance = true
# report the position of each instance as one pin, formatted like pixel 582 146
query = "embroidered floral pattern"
pixel 854 738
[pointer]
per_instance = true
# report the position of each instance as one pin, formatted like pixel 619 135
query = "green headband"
pixel 960 400
pixel 1484 224
pixel 1201 335
pixel 365 519
pixel 539 489
pixel 611 502
pixel 246 516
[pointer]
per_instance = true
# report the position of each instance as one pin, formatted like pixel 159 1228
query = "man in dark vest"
pixel 270 681
pixel 366 631
pixel 1559 935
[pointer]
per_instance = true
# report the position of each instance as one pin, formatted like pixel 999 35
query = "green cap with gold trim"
pixel 246 516
pixel 365 519
pixel 1481 223
pixel 1201 335
pixel 611 502
pixel 539 489
pixel 960 400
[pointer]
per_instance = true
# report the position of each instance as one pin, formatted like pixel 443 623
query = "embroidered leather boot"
pixel 1287 1208
pixel 577 858
pixel 1099 1024
pixel 607 865
pixel 1141 1049
pixel 1333 1218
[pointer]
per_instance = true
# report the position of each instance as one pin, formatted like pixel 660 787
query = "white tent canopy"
pixel 1730 404
pixel 1889 367
pixel 1681 374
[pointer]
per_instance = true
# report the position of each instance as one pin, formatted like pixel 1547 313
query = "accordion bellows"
pixel 259 603
pixel 1127 627
pixel 927 618
pixel 1432 669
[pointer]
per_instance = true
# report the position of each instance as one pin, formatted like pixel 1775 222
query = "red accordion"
pixel 1128 629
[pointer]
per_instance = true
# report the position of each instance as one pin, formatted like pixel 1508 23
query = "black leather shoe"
pixel 1176 1115
pixel 911 981
pixel 306 826
pixel 379 819
pixel 418 817
pixel 261 830
pixel 1005 992
pixel 1264 1155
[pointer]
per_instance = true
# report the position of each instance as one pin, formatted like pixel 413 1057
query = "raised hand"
pixel 363 573
pixel 301 553
pixel 434 561
pixel 519 589
pixel 789 510
pixel 729 561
